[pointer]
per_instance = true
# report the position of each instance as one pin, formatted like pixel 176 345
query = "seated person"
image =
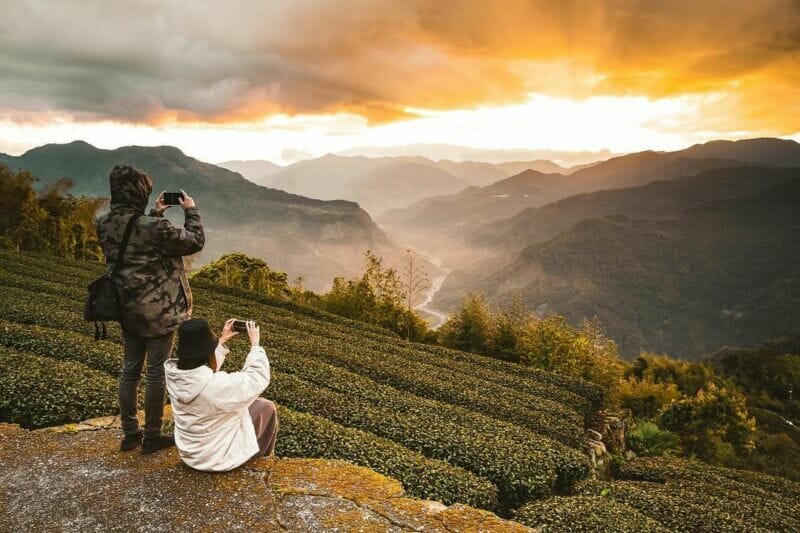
pixel 220 420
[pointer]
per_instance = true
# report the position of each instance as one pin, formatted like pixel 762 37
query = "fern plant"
pixel 647 439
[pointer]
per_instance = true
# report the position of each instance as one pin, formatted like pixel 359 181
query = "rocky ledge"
pixel 74 478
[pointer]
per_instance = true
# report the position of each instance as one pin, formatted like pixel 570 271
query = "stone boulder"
pixel 74 478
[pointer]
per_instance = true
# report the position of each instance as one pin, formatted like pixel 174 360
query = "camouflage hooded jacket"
pixel 155 293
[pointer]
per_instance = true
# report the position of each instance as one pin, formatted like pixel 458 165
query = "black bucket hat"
pixel 195 340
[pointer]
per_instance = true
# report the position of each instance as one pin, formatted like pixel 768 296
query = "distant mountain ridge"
pixel 306 237
pixel 404 179
pixel 252 170
pixel 442 219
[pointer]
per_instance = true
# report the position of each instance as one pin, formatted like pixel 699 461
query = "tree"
pixel 51 221
pixel 470 327
pixel 415 281
pixel 377 297
pixel 712 425
pixel 250 273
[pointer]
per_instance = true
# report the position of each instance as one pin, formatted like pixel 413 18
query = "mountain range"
pixel 383 183
pixel 305 237
pixel 443 219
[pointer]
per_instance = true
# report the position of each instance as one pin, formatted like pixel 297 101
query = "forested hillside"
pixel 719 273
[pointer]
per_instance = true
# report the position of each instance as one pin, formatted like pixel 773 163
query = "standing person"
pixel 220 420
pixel 155 296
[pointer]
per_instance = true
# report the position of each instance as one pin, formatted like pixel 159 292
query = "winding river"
pixel 434 316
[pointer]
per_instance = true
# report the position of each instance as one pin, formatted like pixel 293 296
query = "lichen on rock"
pixel 75 478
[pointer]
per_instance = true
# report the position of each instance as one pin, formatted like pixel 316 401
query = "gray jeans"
pixel 157 350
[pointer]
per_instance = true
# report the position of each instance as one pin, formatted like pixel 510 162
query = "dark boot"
pixel 131 441
pixel 153 444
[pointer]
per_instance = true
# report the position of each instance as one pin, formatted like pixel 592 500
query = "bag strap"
pixel 125 238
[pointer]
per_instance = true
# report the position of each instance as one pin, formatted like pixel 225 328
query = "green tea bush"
pixel 585 514
pixel 519 476
pixel 661 470
pixel 692 496
pixel 38 391
pixel 305 435
pixel 59 344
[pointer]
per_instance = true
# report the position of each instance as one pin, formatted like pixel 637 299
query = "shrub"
pixel 645 398
pixel 585 514
pixel 37 391
pixel 647 439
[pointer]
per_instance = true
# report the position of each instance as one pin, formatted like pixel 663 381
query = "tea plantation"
pixel 450 426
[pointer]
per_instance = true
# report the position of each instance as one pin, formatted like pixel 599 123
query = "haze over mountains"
pixel 382 183
pixel 620 254
pixel 681 252
pixel 305 237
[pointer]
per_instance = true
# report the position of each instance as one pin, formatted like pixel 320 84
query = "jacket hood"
pixel 130 187
pixel 186 385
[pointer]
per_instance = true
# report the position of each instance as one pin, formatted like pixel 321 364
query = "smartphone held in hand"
pixel 173 198
pixel 240 326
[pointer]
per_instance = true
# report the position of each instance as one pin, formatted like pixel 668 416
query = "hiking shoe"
pixel 131 441
pixel 153 444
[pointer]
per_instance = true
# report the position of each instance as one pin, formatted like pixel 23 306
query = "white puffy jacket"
pixel 213 428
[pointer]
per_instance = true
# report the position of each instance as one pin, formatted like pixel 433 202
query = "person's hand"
pixel 227 331
pixel 187 201
pixel 160 205
pixel 254 332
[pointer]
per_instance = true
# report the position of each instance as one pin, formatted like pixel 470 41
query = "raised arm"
pixel 242 388
pixel 189 239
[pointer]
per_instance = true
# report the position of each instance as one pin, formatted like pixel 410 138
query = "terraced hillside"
pixel 449 426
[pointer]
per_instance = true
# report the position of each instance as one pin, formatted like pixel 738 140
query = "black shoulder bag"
pixel 103 303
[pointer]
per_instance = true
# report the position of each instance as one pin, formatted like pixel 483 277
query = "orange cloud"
pixel 380 58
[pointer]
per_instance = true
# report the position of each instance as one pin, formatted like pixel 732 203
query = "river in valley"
pixel 435 317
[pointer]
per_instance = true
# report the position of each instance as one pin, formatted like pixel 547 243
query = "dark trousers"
pixel 156 350
pixel 265 422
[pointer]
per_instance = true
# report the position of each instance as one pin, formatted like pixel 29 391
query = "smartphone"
pixel 173 198
pixel 240 326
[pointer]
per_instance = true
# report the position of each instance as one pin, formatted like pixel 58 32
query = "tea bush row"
pixel 585 514
pixel 753 486
pixel 519 476
pixel 520 376
pixel 457 390
pixel 39 391
pixel 533 382
pixel 306 435
pixel 539 414
pixel 59 344
pixel 693 507
pixel 571 464
pixel 31 307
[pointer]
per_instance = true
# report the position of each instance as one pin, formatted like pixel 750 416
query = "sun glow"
pixel 618 123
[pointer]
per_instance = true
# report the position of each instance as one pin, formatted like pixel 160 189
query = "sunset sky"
pixel 289 80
